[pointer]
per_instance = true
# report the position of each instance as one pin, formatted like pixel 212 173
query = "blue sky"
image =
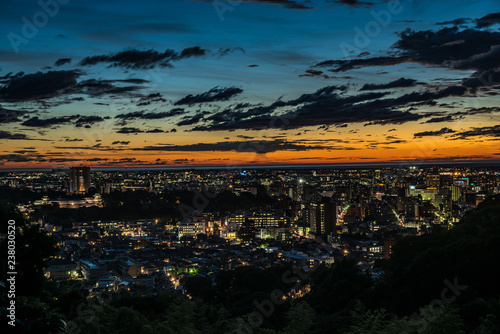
pixel 273 51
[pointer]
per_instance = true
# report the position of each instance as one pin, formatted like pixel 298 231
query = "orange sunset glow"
pixel 305 86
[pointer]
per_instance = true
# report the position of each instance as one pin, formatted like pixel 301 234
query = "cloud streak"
pixel 143 59
pixel 326 107
pixel 441 132
pixel 213 95
pixel 250 146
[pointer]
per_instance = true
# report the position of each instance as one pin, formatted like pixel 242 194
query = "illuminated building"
pixel 326 218
pixel 79 179
pixel 190 228
pixel 432 181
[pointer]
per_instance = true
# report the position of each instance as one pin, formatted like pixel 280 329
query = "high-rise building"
pixel 456 192
pixel 79 179
pixel 443 200
pixel 326 218
pixel 309 216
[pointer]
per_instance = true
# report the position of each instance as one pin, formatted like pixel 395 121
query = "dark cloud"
pixel 150 115
pixel 131 115
pixel 433 133
pixel 20 158
pixel 120 143
pixel 131 80
pixel 128 130
pixel 97 88
pixel 488 131
pixel 445 46
pixel 288 4
pixel 482 79
pixel 96 147
pixel 242 105
pixel 448 47
pixel 151 98
pixel 324 93
pixel 89 120
pixel 488 20
pixel 482 110
pixel 260 147
pixel 213 95
pixel 346 65
pixel 6 76
pixel 135 59
pixel 431 95
pixel 324 107
pixel 483 61
pixel 48 122
pixel 121 161
pixel 402 82
pixel 314 73
pixel 156 131
pixel 61 160
pixel 190 120
pixel 390 142
pixel 235 115
pixel 53 84
pixel 39 85
pixel 194 51
pixel 354 3
pixel 148 59
pixel 62 61
pixel 181 161
pixel 25 151
pixel 14 136
pixel 457 22
pixel 96 159
pixel 9 116
pixel 77 120
pixel 441 119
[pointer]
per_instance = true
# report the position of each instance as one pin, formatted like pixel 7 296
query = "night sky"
pixel 200 83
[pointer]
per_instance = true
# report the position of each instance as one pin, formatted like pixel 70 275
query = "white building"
pixel 190 228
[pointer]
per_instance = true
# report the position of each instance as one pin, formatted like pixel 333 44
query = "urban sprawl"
pixel 160 227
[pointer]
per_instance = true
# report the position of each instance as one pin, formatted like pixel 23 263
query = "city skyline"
pixel 221 83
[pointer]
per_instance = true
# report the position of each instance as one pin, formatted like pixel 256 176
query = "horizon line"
pixel 401 164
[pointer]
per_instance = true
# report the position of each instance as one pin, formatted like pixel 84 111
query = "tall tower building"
pixel 79 179
pixel 310 216
pixel 326 218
